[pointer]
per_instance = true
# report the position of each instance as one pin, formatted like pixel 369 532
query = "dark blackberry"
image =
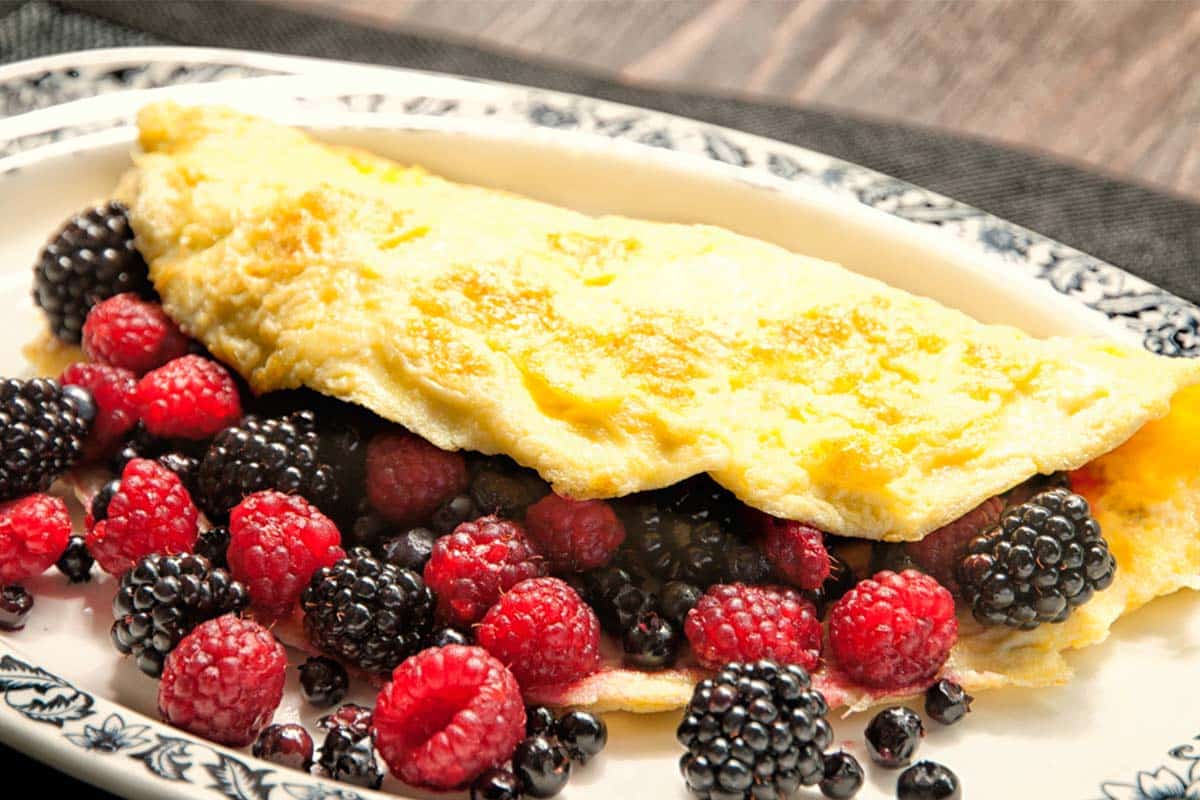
pixel 90 259
pixel 162 598
pixel 539 721
pixel 352 718
pixel 367 612
pixel 651 642
pixel 843 776
pixel 350 760
pixel 926 780
pixel 616 598
pixel 670 546
pixel 323 681
pixel 410 549
pixel 754 731
pixel 140 443
pixel 542 766
pixel 287 745
pixel 454 512
pixel 496 784
pixel 42 432
pixel 15 605
pixel 76 562
pixel 893 736
pixel 100 500
pixel 499 486
pixel 266 453
pixel 676 599
pixel 1044 559
pixel 702 499
pixel 946 702
pixel 581 734
pixel 213 544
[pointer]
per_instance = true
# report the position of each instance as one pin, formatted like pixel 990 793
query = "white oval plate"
pixel 1120 730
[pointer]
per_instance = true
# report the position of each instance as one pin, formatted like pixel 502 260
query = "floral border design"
pixel 1180 782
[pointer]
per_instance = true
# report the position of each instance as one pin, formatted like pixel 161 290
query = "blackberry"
pixel 694 548
pixel 651 642
pixel 90 259
pixel 76 562
pixel 616 598
pixel 174 454
pixel 162 598
pixel 287 745
pixel 926 780
pixel 542 766
pixel 323 681
pixel 15 605
pixel 893 736
pixel 1044 559
pixel 843 776
pixel 581 734
pixel 213 544
pixel 266 453
pixel 349 759
pixel 42 432
pixel 701 499
pixel 946 702
pixel 367 612
pixel 754 731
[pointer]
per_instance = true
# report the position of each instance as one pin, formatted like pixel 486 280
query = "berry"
pixel 940 553
pixel 735 622
pixel 1043 560
pixel 946 702
pixel 842 777
pixel 411 549
pixel 15 605
pixel 150 513
pixel 223 681
pixel 544 631
pixel 185 466
pixel 448 714
pixel 43 434
pixel 893 630
pixel 754 731
pixel 323 681
pixel 797 551
pixel 128 332
pixel 350 759
pixel 213 544
pixel 98 509
pixel 287 745
pixel 189 398
pixel 893 735
pixel 574 535
pixel 76 562
pixel 695 548
pixel 454 512
pixel 444 636
pixel 470 568
pixel 542 766
pixel 112 390
pixel 33 535
pixel 276 543
pixel 841 580
pixel 651 642
pixel 352 718
pixel 408 478
pixel 496 784
pixel 581 734
pixel 266 453
pixel 91 258
pixel 617 599
pixel 367 612
pixel 926 780
pixel 499 486
pixel 163 598
pixel 678 598
pixel 539 721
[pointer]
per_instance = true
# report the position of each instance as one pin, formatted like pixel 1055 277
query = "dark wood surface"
pixel 1113 84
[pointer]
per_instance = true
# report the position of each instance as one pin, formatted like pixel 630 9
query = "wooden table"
pixel 1114 84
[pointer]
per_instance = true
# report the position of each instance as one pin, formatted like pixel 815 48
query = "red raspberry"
pixel 797 551
pixel 33 533
pixel 188 398
pixel 544 631
pixel 276 542
pixel 736 622
pixel 574 535
pixel 112 390
pixel 223 681
pixel 940 552
pixel 448 714
pixel 150 513
pixel 408 478
pixel 126 331
pixel 470 568
pixel 894 630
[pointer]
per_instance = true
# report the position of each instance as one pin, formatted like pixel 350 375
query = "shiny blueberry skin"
pixel 843 776
pixel 287 745
pixel 15 605
pixel 946 702
pixel 542 766
pixel 893 736
pixel 323 681
pixel 927 780
pixel 496 784
pixel 581 734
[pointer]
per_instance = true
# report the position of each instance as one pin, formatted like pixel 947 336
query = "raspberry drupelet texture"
pixel 33 534
pixel 188 398
pixel 126 331
pixel 736 622
pixel 574 535
pixel 894 630
pixel 151 512
pixel 408 478
pixel 276 542
pixel 43 428
pixel 223 681
pixel 544 632
pixel 448 714
pixel 112 391
pixel 796 551
pixel 474 565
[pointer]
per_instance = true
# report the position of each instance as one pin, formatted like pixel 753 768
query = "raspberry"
pixel 893 630
pixel 151 512
pixel 574 535
pixel 223 681
pixel 33 534
pixel 126 331
pixel 408 478
pixel 448 714
pixel 471 567
pixel 544 631
pixel 276 542
pixel 736 622
pixel 797 551
pixel 188 398
pixel 940 552
pixel 112 391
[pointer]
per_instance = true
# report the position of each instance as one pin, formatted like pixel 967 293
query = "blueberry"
pixel 581 734
pixel 539 721
pixel 213 544
pixel 843 775
pixel 677 598
pixel 323 681
pixel 102 498
pixel 288 745
pixel 410 549
pixel 542 766
pixel 926 780
pixel 76 562
pixel 496 784
pixel 447 636
pixel 15 604
pixel 893 735
pixel 946 702
pixel 650 642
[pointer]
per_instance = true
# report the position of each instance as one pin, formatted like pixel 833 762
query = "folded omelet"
pixel 615 355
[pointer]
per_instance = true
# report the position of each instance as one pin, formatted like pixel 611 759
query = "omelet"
pixel 615 355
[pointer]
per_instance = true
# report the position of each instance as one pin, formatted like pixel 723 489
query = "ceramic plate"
pixel 1125 728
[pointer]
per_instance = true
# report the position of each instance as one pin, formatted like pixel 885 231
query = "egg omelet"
pixel 616 355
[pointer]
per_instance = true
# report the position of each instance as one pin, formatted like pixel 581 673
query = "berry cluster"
pixel 541 762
